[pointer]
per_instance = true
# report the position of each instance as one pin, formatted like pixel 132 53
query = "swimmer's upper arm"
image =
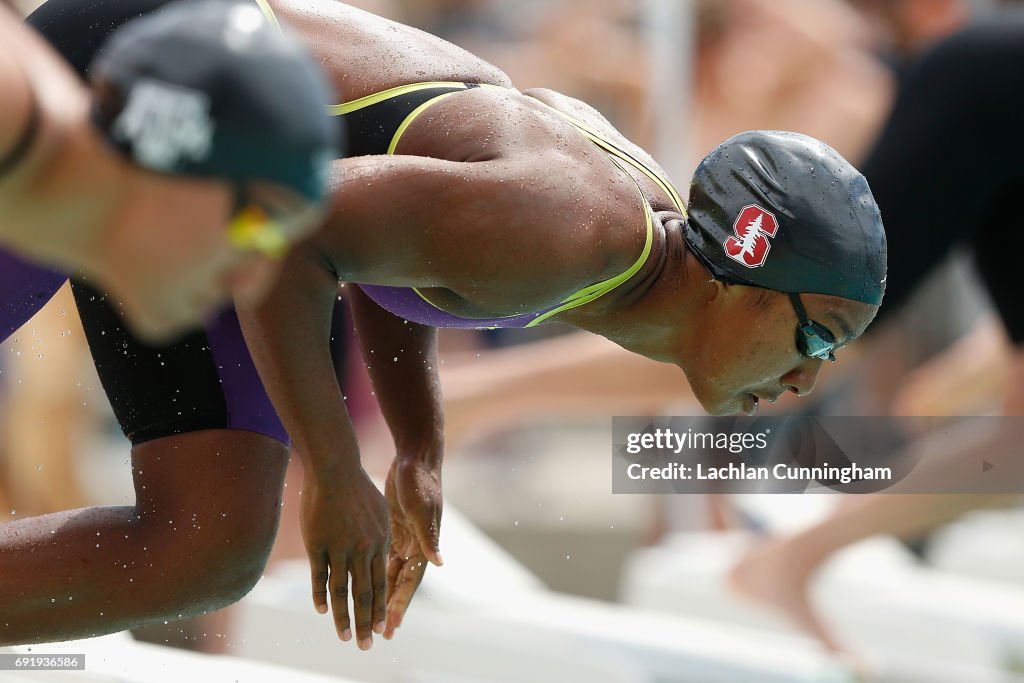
pixel 16 112
pixel 33 75
pixel 524 229
pixel 36 191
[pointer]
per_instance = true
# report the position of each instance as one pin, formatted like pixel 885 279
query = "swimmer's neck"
pixel 648 316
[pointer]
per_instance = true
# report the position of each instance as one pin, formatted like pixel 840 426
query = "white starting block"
pixel 878 600
pixel 118 658
pixel 986 544
pixel 483 618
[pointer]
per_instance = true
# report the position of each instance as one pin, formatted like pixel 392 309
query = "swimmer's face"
pixel 261 232
pixel 202 264
pixel 748 350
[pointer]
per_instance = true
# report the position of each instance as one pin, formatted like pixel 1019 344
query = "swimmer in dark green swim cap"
pixel 213 91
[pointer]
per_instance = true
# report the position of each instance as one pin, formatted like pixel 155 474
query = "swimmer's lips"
pixel 751 401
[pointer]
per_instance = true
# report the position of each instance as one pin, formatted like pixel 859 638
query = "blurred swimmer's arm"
pixel 401 358
pixel 571 376
pixel 344 517
pixel 16 113
pixel 779 571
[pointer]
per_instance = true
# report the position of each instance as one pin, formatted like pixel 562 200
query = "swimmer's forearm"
pixel 90 572
pixel 402 360
pixel 289 339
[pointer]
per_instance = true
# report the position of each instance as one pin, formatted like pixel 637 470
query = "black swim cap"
pixel 786 212
pixel 212 89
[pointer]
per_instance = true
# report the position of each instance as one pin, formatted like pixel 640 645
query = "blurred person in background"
pixel 952 134
pixel 66 198
pixel 184 98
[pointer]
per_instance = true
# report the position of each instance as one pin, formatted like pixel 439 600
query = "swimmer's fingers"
pixel 394 570
pixel 407 580
pixel 378 575
pixel 364 600
pixel 418 490
pixel 338 585
pixel 426 524
pixel 413 490
pixel 319 574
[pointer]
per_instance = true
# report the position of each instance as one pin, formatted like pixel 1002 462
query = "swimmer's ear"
pixel 722 291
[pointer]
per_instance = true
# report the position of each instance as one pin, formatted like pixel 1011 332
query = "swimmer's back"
pixel 366 54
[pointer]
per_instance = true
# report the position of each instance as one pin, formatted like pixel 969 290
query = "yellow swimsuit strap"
pixel 618 152
pixel 268 13
pixel 597 290
pixel 619 156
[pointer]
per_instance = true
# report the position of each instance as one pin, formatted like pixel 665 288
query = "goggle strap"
pixel 799 307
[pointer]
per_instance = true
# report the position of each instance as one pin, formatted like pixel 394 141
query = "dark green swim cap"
pixel 212 89
pixel 786 212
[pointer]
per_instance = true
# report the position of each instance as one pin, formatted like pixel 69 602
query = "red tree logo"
pixel 750 244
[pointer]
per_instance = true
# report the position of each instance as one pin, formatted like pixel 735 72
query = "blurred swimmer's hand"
pixel 413 491
pixel 345 528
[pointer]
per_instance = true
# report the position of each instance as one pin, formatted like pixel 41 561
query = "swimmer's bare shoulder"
pixel 593 118
pixel 365 54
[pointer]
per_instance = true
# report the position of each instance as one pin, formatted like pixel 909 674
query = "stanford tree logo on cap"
pixel 750 244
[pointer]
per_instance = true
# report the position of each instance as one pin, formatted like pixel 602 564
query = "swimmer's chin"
pixel 742 404
pixel 157 327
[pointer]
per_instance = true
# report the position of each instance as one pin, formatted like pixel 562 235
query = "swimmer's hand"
pixel 345 528
pixel 413 491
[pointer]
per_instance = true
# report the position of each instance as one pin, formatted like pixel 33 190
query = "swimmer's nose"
pixel 801 379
